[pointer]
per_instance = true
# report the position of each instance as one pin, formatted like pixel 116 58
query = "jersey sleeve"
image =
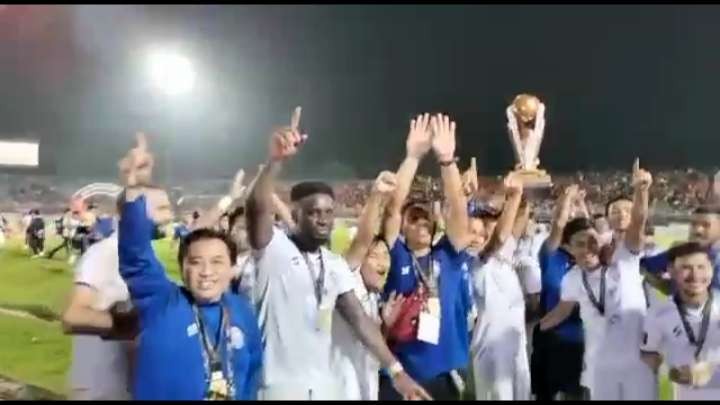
pixel 90 267
pixel 532 276
pixel 344 279
pixel 652 333
pixel 570 287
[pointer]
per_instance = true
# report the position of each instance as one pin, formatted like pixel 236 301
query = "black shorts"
pixel 555 365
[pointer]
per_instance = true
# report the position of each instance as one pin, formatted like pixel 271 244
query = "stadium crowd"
pixel 448 290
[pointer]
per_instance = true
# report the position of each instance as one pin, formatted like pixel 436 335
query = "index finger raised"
pixel 295 118
pixel 141 141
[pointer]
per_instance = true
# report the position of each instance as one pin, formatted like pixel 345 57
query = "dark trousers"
pixel 65 244
pixel 36 244
pixel 439 388
pixel 555 366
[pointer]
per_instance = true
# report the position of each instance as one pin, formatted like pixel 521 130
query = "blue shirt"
pixel 658 264
pixel 554 266
pixel 104 227
pixel 181 231
pixel 424 361
pixel 169 359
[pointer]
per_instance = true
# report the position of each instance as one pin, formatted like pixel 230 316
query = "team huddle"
pixel 432 299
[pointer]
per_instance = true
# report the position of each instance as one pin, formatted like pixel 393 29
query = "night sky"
pixel 618 81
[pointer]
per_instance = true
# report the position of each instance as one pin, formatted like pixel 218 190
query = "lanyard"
pixel 212 355
pixel 704 324
pixel 598 304
pixel 428 280
pixel 319 282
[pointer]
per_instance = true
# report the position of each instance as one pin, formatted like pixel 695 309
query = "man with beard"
pixel 685 330
pixel 300 283
pixel 612 303
pixel 438 350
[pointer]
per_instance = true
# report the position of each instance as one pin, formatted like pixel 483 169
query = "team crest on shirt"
pixel 237 338
pixel 295 261
pixel 192 329
pixel 405 270
pixel 677 331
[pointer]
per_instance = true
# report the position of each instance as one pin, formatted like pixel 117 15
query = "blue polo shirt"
pixel 554 266
pixel 658 264
pixel 424 361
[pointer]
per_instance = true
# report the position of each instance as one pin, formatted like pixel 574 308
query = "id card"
pixel 428 328
pixel 324 319
pixel 218 386
pixel 433 306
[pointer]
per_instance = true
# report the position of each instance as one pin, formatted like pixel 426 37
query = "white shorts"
pixel 635 382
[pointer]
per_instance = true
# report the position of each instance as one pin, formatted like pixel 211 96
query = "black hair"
pixel 195 215
pixel 204 234
pixel 574 226
pixel 686 249
pixel 234 216
pixel 707 209
pixel 621 197
pixel 308 188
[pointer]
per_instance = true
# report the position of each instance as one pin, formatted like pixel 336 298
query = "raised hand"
pixel 513 184
pixel 391 309
pixel 385 183
pixel 137 165
pixel 640 177
pixel 443 140
pixel 470 179
pixel 285 141
pixel 237 190
pixel 419 138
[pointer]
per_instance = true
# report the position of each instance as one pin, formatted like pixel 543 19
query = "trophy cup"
pixel 526 123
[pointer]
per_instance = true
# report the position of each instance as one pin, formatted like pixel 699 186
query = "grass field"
pixel 37 352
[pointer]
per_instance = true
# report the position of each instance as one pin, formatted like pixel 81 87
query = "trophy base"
pixel 537 184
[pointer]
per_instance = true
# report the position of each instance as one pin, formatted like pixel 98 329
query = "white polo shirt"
pixel 99 368
pixel 295 330
pixel 527 263
pixel 610 340
pixel 665 334
pixel 354 365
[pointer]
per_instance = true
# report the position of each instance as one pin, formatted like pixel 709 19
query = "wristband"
pixel 448 162
pixel 225 203
pixel 395 369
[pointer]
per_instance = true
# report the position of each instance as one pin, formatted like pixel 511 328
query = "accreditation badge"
pixel 324 316
pixel 218 387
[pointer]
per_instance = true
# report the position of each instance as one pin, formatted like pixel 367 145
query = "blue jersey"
pixel 170 363
pixel 553 266
pixel 424 361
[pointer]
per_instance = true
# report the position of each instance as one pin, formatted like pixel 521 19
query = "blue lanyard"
pixel 212 354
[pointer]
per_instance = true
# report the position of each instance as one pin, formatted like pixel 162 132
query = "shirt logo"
pixel 405 270
pixel 676 331
pixel 295 261
pixel 192 330
pixel 237 338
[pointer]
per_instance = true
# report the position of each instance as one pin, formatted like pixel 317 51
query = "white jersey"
pixel 296 330
pixel 245 271
pixel 665 334
pixel 527 263
pixel 353 364
pixel 99 368
pixel 611 340
pixel 499 356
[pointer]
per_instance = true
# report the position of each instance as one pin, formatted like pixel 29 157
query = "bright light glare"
pixel 19 153
pixel 172 73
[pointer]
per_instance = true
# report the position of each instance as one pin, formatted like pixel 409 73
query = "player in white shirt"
pixel 99 367
pixel 369 258
pixel 298 285
pixel 685 330
pixel 498 349
pixel 612 304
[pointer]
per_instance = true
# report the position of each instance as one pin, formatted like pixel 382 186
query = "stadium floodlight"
pixel 172 73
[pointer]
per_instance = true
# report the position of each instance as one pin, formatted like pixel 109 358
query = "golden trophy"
pixel 526 124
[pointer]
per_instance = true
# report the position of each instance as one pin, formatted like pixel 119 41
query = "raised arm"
pixel 561 218
pixel 503 229
pixel 259 208
pixel 521 222
pixel 139 268
pixel 443 144
pixel 283 211
pixel 634 237
pixel 211 217
pixel 417 145
pixel 369 219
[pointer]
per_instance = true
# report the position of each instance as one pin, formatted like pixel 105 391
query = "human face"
pixel 375 267
pixel 239 235
pixel 207 269
pixel 619 215
pixel 705 228
pixel 478 234
pixel 417 228
pixel 585 248
pixel 316 216
pixel 693 274
pixel 159 207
